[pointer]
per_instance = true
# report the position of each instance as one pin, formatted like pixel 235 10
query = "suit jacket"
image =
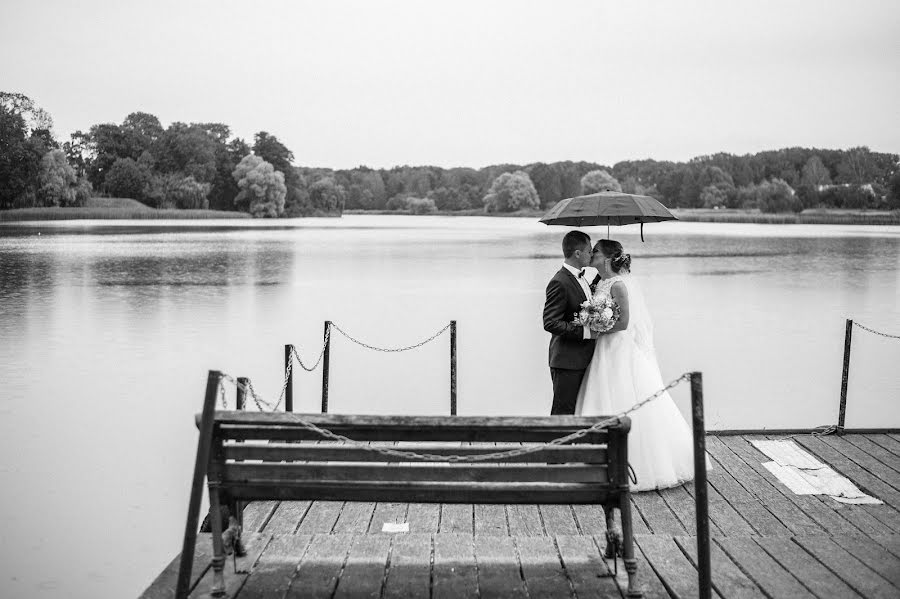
pixel 568 347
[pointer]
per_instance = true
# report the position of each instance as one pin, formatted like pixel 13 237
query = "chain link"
pixel 321 353
pixel 876 332
pixel 519 451
pixel 389 349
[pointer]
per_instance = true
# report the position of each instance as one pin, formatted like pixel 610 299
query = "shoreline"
pixel 807 217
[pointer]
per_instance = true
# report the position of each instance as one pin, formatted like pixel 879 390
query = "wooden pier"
pixel 766 541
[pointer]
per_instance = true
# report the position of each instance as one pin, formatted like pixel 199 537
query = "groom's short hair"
pixel 574 240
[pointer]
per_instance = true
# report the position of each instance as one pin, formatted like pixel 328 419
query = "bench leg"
pixel 218 560
pixel 628 546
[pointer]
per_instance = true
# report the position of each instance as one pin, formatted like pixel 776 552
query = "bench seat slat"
pixel 324 471
pixel 244 432
pixel 425 492
pixel 293 452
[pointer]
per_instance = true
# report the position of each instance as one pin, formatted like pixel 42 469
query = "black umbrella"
pixel 607 208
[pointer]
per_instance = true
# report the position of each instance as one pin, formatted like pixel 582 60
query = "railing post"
pixel 326 362
pixel 289 389
pixel 701 497
pixel 241 393
pixel 204 443
pixel 453 368
pixel 842 411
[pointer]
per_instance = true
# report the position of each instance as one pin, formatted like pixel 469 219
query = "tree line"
pixel 202 165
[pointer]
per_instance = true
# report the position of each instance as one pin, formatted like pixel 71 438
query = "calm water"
pixel 108 331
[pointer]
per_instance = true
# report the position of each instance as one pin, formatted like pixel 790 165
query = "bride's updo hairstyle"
pixel 612 249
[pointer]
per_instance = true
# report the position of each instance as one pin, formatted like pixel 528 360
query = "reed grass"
pixel 113 209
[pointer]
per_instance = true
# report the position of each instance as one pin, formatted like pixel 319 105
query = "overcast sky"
pixel 460 83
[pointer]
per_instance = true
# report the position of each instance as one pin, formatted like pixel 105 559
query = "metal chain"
pixel 389 349
pixel 321 353
pixel 876 332
pixel 524 450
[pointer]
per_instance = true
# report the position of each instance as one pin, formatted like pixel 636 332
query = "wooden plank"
pixel 660 518
pixel 586 568
pixel 800 514
pixel 891 542
pixel 428 492
pixel 648 580
pixel 878 452
pixel 887 442
pixel 861 477
pixel 874 556
pixel 524 520
pixel 409 574
pixel 257 513
pixel 857 515
pixel 542 567
pixel 878 468
pixel 490 520
pixel 767 573
pixel 273 573
pixel 677 573
pixel 364 571
pixel 558 519
pixel 387 512
pixel 805 568
pixel 498 567
pixel 723 515
pixel 489 473
pixel 320 517
pixel 681 503
pixel 163 586
pixel 849 569
pixel 592 521
pixel 294 452
pixel 354 518
pixel 638 522
pixel 287 517
pixel 234 580
pixel 423 517
pixel 454 572
pixel 457 518
pixel 727 578
pixel 320 567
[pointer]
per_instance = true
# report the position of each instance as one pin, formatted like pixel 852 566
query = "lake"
pixel 108 330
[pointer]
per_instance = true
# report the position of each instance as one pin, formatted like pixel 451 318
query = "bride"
pixel 624 371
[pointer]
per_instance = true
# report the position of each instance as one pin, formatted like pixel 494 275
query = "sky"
pixel 472 83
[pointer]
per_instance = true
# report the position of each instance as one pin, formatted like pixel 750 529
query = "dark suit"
pixel 570 352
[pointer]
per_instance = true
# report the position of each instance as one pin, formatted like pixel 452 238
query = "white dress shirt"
pixel 585 286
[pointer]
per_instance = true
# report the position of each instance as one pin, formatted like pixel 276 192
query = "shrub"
pixel 421 205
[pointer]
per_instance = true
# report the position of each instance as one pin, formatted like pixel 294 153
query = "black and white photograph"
pixel 428 299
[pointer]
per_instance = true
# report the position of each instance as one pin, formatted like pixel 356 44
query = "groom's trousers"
pixel 565 389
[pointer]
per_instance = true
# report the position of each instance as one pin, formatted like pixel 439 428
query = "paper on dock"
pixel 395 527
pixel 805 475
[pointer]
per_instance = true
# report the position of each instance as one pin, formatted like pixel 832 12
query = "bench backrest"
pixel 273 456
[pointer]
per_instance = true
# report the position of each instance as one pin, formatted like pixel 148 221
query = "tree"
pixel 894 191
pixel 599 180
pixel 127 179
pixel 815 173
pixel 326 196
pixel 262 187
pixel 450 198
pixel 58 183
pixel 777 196
pixel 511 191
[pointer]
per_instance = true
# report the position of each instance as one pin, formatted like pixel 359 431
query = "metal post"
pixel 701 498
pixel 241 392
pixel 453 368
pixel 289 389
pixel 844 377
pixel 326 362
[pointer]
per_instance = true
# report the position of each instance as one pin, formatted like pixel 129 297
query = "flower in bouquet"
pixel 599 314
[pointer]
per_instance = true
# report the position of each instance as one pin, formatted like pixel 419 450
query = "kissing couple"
pixel 605 373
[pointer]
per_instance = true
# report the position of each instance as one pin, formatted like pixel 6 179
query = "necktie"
pixel 581 273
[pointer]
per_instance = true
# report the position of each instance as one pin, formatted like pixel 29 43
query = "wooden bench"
pixel 259 456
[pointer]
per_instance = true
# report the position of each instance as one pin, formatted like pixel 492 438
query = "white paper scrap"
pixel 395 527
pixel 804 475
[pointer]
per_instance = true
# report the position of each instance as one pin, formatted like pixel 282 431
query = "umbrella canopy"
pixel 607 208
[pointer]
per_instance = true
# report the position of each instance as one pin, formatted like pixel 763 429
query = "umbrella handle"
pixel 642 232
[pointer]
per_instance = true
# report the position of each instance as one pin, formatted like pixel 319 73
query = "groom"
pixel 571 345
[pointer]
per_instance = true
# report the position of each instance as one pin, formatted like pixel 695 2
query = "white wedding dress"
pixel 624 371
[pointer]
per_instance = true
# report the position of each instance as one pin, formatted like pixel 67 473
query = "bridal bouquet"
pixel 599 313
